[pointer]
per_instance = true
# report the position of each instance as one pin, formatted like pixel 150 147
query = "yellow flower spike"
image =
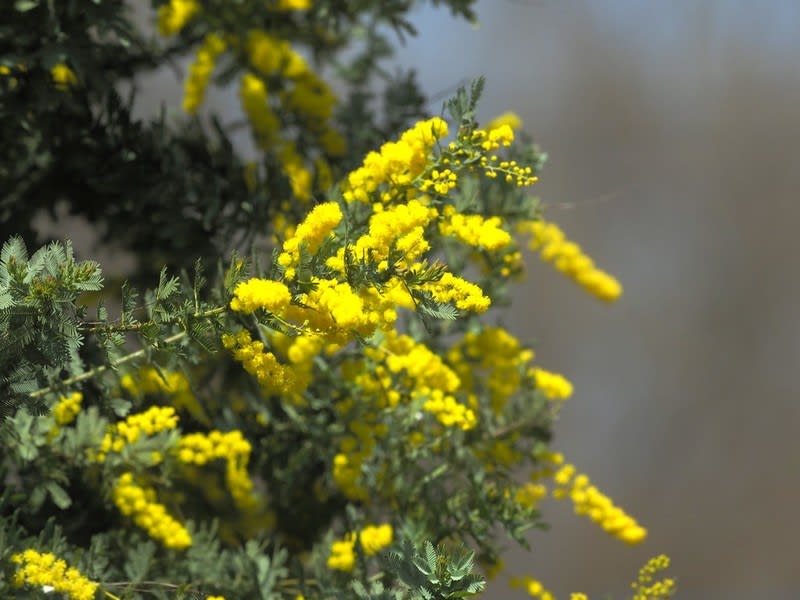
pixel 194 88
pixel 569 259
pixel 139 504
pixel 553 385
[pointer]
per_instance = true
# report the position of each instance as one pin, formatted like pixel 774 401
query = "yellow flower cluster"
pixel 215 597
pixel 308 96
pixel 494 138
pixel 440 182
pixel 233 448
pixel 569 259
pixel 533 587
pixel 45 570
pixel 154 420
pixel 275 378
pixel 511 171
pixel 293 4
pixel 63 76
pixel 255 294
pixel 553 385
pixel 174 16
pixel 67 408
pixel 428 377
pixel 140 504
pixel 194 87
pixel 397 162
pixel 496 352
pixel 373 539
pixel 578 596
pixel 464 294
pixel 510 119
pixel 311 233
pixel 475 230
pixel 646 588
pixel 174 384
pixel 529 494
pixel 590 501
pixel 253 97
pixel 400 227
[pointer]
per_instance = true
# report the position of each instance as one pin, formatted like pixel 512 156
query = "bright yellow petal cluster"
pixel 275 378
pixel 44 569
pixel 533 587
pixel 553 385
pixel 150 422
pixel 397 162
pixel 67 408
pixel 578 596
pixel 63 76
pixel 450 412
pixel 453 289
pixel 568 258
pixel 140 504
pixel 253 98
pixel 293 4
pixel 261 294
pixel 173 17
pixel 400 227
pixel 373 539
pixel 311 233
pixel 494 138
pixel 174 384
pixel 194 88
pixel 215 598
pixel 647 588
pixel 475 230
pixel 496 352
pixel 510 119
pixel 590 501
pixel 440 182
pixel 233 448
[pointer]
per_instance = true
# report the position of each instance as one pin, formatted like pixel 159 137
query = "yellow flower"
pixel 570 260
pixel 63 76
pixel 254 294
pixel 139 504
pixel 200 72
pixel 43 569
pixel 173 17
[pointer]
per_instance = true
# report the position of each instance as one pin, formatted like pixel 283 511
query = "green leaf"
pixel 25 5
pixel 59 495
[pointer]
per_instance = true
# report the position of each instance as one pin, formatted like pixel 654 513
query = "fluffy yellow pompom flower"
pixel 465 295
pixel 373 539
pixel 553 385
pixel 293 4
pixel 44 569
pixel 173 17
pixel 254 294
pixel 311 234
pixel 63 76
pixel 68 408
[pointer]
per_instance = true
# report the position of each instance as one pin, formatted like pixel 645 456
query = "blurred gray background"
pixel 673 129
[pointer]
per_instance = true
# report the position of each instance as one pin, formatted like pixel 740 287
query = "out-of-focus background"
pixel 673 130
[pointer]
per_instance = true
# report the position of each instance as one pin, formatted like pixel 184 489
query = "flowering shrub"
pixel 315 400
